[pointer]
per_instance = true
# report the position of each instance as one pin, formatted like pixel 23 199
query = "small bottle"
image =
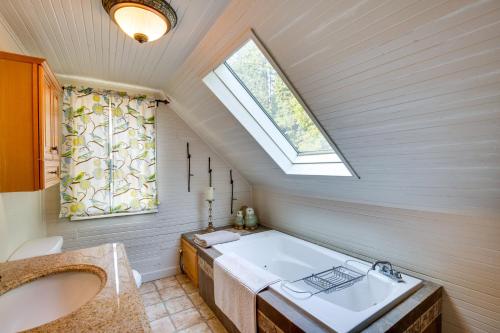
pixel 251 221
pixel 239 221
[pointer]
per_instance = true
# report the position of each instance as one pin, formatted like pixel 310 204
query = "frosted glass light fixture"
pixel 142 20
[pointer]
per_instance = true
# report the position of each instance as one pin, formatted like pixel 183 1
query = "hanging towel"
pixel 236 284
pixel 217 237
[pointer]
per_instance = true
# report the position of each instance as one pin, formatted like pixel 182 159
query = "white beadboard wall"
pixel 410 92
pixel 462 253
pixel 152 240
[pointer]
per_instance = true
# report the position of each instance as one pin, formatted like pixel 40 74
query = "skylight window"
pixel 274 97
pixel 255 91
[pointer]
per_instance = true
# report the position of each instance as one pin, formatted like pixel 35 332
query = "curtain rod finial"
pixel 164 101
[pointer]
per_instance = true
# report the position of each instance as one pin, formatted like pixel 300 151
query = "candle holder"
pixel 210 227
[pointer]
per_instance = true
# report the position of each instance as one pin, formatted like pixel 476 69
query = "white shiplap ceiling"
pixel 77 37
pixel 408 89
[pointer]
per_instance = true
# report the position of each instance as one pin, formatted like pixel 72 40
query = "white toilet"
pixel 137 278
pixel 38 247
pixel 50 245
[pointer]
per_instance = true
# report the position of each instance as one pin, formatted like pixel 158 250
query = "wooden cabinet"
pixel 190 261
pixel 29 124
pixel 49 99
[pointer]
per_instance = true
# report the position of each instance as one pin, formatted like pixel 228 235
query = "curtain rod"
pixel 164 101
pixel 158 101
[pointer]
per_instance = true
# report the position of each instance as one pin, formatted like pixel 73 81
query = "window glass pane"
pixel 262 81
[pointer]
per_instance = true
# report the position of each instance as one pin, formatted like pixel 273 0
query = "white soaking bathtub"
pixel 346 310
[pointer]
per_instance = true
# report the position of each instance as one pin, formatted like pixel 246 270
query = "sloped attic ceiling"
pixel 409 90
pixel 78 38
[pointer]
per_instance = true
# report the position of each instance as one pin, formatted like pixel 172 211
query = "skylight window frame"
pixel 235 95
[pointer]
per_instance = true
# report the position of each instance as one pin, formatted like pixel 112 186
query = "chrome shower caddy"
pixel 330 280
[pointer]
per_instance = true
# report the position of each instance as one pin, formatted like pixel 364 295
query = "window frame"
pixel 234 94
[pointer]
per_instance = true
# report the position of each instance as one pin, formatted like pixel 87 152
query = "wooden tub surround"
pixel 189 261
pixel 419 313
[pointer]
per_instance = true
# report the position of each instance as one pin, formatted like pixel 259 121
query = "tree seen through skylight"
pixel 275 98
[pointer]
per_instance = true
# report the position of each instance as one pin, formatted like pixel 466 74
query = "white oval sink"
pixel 46 299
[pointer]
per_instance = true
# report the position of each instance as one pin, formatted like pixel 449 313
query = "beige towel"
pixel 236 284
pixel 217 237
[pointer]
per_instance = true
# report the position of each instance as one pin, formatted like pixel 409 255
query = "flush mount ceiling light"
pixel 143 20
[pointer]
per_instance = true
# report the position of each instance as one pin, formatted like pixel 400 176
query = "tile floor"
pixel 173 304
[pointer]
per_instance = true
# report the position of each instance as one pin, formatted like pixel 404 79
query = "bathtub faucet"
pixel 387 270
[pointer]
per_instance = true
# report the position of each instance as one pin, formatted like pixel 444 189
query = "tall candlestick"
pixel 210 227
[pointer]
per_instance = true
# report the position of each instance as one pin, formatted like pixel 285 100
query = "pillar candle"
pixel 209 194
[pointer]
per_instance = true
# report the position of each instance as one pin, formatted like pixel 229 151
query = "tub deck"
pixel 419 312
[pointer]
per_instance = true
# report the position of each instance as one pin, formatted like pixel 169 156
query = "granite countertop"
pixel 117 307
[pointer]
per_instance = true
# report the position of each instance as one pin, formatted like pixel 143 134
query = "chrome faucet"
pixel 387 270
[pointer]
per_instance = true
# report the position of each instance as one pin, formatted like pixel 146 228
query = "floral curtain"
pixel 108 162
